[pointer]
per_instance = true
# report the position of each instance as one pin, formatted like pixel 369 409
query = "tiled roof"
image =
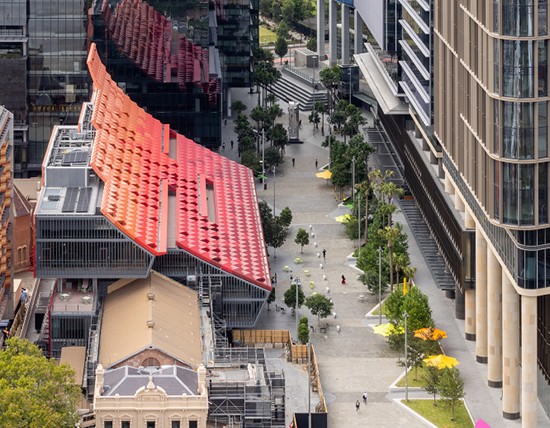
pixel 173 310
pixel 145 38
pixel 125 381
pixel 130 154
pixel 20 204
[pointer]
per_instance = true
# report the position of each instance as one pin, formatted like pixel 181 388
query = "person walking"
pixel 275 278
pixel 316 163
pixel 343 279
pixel 223 145
pixel 232 144
pixel 293 160
pixel 324 254
pixel 365 396
pixel 357 404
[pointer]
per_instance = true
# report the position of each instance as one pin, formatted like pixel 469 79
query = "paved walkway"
pixel 355 359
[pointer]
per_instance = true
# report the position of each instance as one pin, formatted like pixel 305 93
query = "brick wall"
pixel 22 242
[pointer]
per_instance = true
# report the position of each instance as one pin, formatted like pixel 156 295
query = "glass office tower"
pixel 57 75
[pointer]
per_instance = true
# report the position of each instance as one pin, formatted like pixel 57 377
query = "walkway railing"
pixel 300 74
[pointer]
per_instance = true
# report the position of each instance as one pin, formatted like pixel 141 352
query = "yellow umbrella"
pixel 441 361
pixel 326 174
pixel 430 333
pixel 386 329
pixel 342 218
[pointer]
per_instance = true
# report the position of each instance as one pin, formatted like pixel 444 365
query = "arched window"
pixel 150 362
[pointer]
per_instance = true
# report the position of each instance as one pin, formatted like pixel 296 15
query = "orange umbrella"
pixel 430 333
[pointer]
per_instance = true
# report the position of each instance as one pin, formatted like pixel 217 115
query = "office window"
pixel 176 424
pixel 125 424
pixel 543 17
pixel 108 424
pixel 543 129
pixel 193 424
pixel 543 193
pixel 150 424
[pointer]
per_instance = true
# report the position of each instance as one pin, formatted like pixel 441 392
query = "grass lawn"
pixel 383 309
pixel 412 384
pixel 441 415
pixel 267 35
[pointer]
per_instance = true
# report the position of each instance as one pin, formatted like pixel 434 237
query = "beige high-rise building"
pixel 491 101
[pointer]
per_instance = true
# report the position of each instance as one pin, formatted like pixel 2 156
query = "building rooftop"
pixel 159 188
pixel 127 380
pixel 151 312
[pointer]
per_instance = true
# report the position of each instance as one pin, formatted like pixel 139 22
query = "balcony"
pixel 75 296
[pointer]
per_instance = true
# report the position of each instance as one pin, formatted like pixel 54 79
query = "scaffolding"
pixel 251 394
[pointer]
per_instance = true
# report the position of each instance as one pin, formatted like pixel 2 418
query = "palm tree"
pixel 390 234
pixel 238 106
pixel 400 260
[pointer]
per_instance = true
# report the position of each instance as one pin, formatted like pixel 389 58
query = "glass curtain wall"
pixel 58 82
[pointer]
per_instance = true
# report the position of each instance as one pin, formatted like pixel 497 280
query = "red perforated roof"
pixel 130 154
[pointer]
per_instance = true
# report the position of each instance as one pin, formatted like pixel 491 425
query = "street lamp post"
pixel 406 316
pixel 274 249
pixel 352 178
pixel 263 156
pixel 296 311
pixel 309 384
pixel 359 222
pixel 380 285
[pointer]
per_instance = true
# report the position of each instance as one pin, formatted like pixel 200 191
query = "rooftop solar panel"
pixel 84 199
pixel 70 200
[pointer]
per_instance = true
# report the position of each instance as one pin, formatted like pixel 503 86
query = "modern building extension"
pixel 124 195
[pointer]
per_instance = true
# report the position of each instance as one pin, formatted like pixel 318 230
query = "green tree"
pixel 265 7
pixel 451 387
pixel 246 144
pixel 274 230
pixel 320 306
pixel 271 99
pixel 276 10
pixel 250 160
pixel 303 9
pixel 303 330
pixel 274 112
pixel 338 117
pixel 287 10
pixel 340 176
pixel 278 136
pixel 258 115
pixel 390 234
pixel 290 297
pixel 314 118
pixel 272 157
pixel 400 261
pixel 330 77
pixel 281 47
pixel 312 44
pixel 282 30
pixel 432 376
pixel 417 351
pixel 302 238
pixel 371 280
pixel 415 303
pixel 238 106
pixel 34 391
pixel 271 298
pixel 322 110
pixel 286 216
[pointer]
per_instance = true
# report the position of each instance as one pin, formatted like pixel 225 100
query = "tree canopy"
pixel 451 387
pixel 319 305
pixel 34 391
pixel 281 47
pixel 290 297
pixel 302 238
pixel 415 303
